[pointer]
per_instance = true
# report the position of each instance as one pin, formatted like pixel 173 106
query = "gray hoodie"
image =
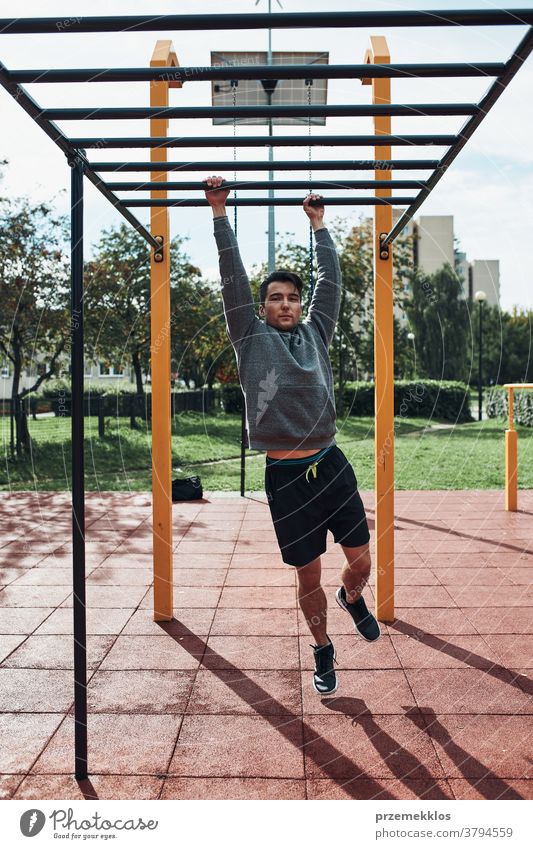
pixel 285 375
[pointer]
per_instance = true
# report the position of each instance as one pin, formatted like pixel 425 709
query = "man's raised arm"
pixel 237 295
pixel 325 303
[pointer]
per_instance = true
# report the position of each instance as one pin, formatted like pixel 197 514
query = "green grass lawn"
pixel 468 456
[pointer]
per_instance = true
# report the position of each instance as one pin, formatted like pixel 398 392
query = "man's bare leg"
pixel 312 600
pixel 356 570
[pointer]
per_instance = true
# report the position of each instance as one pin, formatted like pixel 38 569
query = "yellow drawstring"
pixel 312 469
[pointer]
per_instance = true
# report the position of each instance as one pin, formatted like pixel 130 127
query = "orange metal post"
pixel 163 56
pixel 383 356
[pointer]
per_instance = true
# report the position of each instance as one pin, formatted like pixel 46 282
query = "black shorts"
pixel 305 507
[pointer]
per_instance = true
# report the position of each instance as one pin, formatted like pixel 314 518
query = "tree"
pixel 439 318
pixel 507 346
pixel 117 297
pixel 34 286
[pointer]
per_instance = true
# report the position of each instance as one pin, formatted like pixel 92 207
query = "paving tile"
pixel 22 620
pixel 252 691
pixel 487 747
pixel 9 784
pixel 99 621
pixel 96 787
pixel 259 577
pixel 519 575
pixel 189 597
pixel 376 691
pixel 475 691
pixel 47 576
pixel 10 574
pixel 354 653
pixel 157 652
pixel 385 788
pixel 146 691
pixel 202 561
pixel 56 652
pixel 512 649
pixel 490 620
pixel 8 644
pixel 451 576
pixel 17 596
pixel 245 746
pixel 252 652
pixel 260 560
pixel 34 729
pixel 481 596
pixel 131 744
pixel 199 577
pixel 114 576
pixel 96 596
pixel 374 747
pixel 444 651
pixel 491 788
pixel 211 547
pixel 262 597
pixel 423 596
pixel 186 621
pixel 35 690
pixel 436 620
pixel 236 622
pixel 414 577
pixel 233 788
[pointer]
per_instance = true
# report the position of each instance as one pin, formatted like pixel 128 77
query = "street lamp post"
pixel 411 337
pixel 480 298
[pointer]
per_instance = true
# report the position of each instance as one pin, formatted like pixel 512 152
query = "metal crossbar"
pixel 287 20
pixel 263 141
pixel 258 72
pixel 278 165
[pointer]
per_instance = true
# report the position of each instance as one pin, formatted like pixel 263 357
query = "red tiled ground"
pixel 218 703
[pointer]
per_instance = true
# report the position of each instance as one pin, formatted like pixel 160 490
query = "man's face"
pixel 282 307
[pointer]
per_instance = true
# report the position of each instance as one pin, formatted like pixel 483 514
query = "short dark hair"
pixel 281 276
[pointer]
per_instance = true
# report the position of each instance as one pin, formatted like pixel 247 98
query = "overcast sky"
pixel 488 190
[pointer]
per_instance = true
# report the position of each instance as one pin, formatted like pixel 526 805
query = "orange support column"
pixel 163 56
pixel 383 355
pixel 511 459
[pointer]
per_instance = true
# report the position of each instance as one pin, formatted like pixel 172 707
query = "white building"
pixel 485 276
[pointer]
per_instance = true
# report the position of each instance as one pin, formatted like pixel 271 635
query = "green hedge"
pixel 497 406
pixel 448 400
pixel 231 394
pixel 437 399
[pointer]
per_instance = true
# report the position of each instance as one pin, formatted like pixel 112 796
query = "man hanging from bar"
pixel 287 381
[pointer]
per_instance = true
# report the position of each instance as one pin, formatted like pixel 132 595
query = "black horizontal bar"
pixel 262 141
pixel 74 155
pixel 97 113
pixel 258 72
pixel 486 103
pixel 248 185
pixel 278 165
pixel 262 20
pixel 266 201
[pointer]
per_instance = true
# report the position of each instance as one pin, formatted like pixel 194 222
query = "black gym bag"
pixel 187 489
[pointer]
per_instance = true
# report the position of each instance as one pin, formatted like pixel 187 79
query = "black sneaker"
pixel 365 623
pixel 324 677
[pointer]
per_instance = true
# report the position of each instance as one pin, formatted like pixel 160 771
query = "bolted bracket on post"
pixel 158 253
pixel 384 252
